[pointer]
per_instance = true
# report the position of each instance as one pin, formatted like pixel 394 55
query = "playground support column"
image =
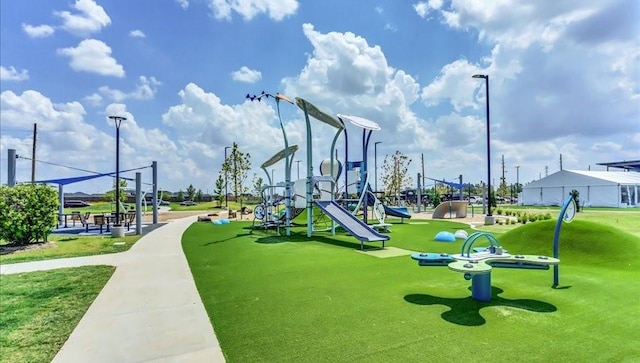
pixel 117 121
pixel 139 203
pixel 309 195
pixel 556 239
pixel 366 136
pixel 154 200
pixel 11 167
pixel 61 206
pixel 287 174
pixel 375 162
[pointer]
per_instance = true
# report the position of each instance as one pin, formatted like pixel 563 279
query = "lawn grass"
pixel 72 246
pixel 39 310
pixel 296 299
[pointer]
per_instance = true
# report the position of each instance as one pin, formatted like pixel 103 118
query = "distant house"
pixel 616 189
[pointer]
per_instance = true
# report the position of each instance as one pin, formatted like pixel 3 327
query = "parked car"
pixel 188 203
pixel 75 204
pixel 164 202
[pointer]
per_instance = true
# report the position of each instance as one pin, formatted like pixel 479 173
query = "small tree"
pixel 257 185
pixel 191 192
pixel 27 212
pixel 237 166
pixel 111 195
pixel 219 189
pixel 575 195
pixel 180 195
pixel 395 176
pixel 199 195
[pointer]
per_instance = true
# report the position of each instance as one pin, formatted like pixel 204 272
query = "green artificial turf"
pixel 299 299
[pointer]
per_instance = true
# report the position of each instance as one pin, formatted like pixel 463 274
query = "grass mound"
pixel 581 242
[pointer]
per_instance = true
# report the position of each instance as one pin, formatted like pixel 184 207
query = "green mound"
pixel 581 242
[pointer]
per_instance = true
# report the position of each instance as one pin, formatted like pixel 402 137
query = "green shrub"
pixel 499 211
pixel 533 218
pixel 27 212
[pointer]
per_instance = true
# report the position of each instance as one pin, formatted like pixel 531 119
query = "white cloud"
pixel 606 146
pixel 38 31
pixel 145 90
pixel 453 83
pixel 137 34
pixel 91 18
pixel 248 9
pixel 11 74
pixel 93 99
pixel 93 56
pixel 183 3
pixel 247 75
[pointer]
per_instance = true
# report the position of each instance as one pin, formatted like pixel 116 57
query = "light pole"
pixel 517 182
pixel 375 162
pixel 298 164
pixel 226 191
pixel 489 217
pixel 117 120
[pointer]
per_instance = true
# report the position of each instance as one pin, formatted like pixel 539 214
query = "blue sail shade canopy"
pixel 76 179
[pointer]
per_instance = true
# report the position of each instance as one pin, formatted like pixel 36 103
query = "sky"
pixel 564 84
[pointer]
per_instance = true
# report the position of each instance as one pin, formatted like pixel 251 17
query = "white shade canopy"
pixel 361 122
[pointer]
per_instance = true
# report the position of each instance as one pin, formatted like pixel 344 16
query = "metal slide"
pixel 351 223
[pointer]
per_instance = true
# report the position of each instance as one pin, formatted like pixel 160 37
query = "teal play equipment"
pixel 476 263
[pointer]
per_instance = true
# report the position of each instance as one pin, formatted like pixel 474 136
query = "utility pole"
pixel 546 171
pixel 33 154
pixel 503 171
pixel 560 161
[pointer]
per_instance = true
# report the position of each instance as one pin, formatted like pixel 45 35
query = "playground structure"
pixel 321 191
pixel 326 183
pixel 452 207
pixel 477 265
pixel 268 212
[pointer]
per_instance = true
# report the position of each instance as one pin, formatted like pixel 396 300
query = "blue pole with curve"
pixel 556 238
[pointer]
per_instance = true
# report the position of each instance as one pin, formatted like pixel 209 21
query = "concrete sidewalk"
pixel 149 311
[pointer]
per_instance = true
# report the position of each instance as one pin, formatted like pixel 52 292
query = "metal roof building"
pixel 616 189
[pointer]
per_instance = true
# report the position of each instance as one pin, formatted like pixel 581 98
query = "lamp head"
pixel 480 76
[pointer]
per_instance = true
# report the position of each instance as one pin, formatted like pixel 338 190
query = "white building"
pixel 616 189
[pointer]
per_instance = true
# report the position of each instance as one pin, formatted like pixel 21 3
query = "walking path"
pixel 149 311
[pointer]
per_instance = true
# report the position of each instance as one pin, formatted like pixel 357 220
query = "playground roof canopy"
pixel 279 156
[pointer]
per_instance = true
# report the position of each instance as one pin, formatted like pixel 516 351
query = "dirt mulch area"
pixel 11 248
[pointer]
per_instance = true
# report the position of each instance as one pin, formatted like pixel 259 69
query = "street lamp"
pixel 298 164
pixel 489 217
pixel 226 192
pixel 117 120
pixel 375 162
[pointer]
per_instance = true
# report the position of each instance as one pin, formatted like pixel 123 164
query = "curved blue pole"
pixel 287 174
pixel 556 240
